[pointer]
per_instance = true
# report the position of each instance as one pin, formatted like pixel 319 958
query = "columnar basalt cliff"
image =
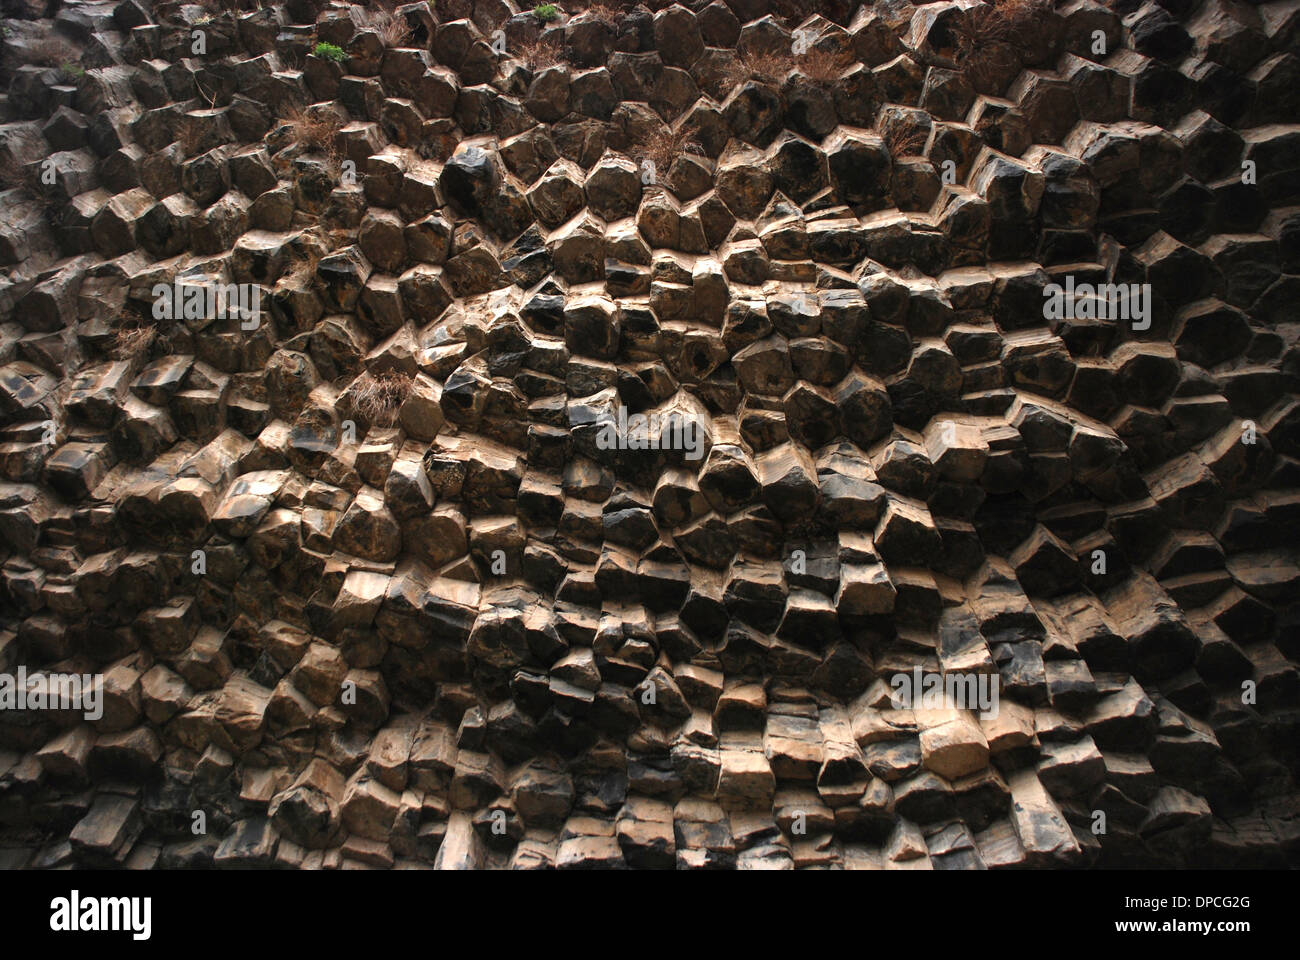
pixel 458 435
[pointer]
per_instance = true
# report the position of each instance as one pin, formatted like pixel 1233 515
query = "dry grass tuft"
pixel 989 68
pixel 982 35
pixel 239 7
pixel 219 7
pixel 292 56
pixel 132 340
pixel 980 26
pixel 316 131
pixel 661 146
pixel 537 55
pixel 393 29
pixel 609 13
pixel 905 140
pixel 765 67
pixel 823 66
pixel 377 397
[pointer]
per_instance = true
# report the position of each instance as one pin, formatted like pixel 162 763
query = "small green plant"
pixel 330 51
pixel 546 12
pixel 73 71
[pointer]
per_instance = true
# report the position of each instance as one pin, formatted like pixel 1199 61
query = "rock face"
pixel 563 454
